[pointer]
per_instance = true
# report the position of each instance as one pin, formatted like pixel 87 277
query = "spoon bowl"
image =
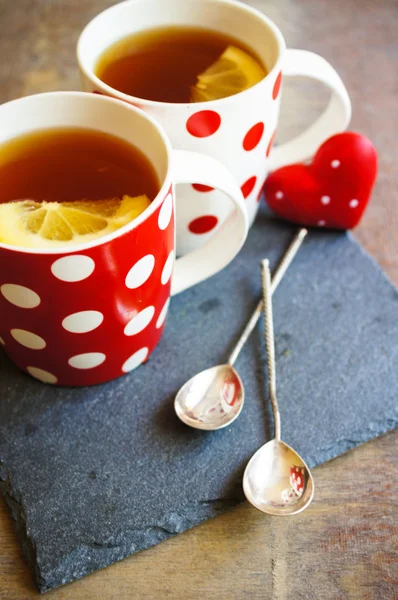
pixel 212 399
pixel 277 481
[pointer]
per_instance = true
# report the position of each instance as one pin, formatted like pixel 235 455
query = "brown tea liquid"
pixel 68 164
pixel 162 64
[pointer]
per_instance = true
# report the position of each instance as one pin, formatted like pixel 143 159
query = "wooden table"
pixel 346 544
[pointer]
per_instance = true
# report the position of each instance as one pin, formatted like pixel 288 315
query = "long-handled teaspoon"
pixel 276 480
pixel 214 398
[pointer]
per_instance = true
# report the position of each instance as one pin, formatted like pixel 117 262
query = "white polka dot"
pixel 73 268
pixel 42 375
pixel 2 342
pixel 140 321
pixel 299 480
pixel 325 199
pixel 321 223
pixel 168 268
pixel 162 315
pixel 279 195
pixel 135 360
pixel 141 272
pixel 294 476
pixel 83 322
pixel 20 296
pixel 87 361
pixel 353 203
pixel 28 339
pixel 165 212
pixel 335 164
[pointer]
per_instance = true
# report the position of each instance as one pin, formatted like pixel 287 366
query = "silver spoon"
pixel 276 480
pixel 214 398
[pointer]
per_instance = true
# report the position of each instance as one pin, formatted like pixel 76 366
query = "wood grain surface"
pixel 345 546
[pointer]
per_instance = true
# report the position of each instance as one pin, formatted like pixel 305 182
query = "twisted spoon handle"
pixel 279 273
pixel 270 341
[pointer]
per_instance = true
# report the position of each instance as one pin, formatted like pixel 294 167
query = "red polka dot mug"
pixel 85 314
pixel 238 130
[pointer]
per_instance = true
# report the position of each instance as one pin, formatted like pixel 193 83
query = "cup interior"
pixel 225 16
pixel 89 111
pixel 99 113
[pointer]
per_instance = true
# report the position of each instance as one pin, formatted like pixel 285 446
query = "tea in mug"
pixel 70 185
pixel 179 64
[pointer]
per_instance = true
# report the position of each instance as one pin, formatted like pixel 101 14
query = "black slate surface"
pixel 92 475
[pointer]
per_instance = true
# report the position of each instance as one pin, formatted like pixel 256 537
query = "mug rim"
pixel 235 4
pixel 141 218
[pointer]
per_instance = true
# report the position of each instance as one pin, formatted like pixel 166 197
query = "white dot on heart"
pixel 42 375
pixel 162 315
pixel 73 268
pixel 353 203
pixel 321 223
pixel 293 475
pixel 135 360
pixel 140 272
pixel 140 321
pixel 168 268
pixel 2 342
pixel 325 199
pixel 165 212
pixel 89 360
pixel 335 164
pixel 28 339
pixel 20 296
pixel 83 321
pixel 299 480
pixel 279 195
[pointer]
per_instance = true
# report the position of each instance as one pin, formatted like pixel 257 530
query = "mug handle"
pixel 334 119
pixel 224 245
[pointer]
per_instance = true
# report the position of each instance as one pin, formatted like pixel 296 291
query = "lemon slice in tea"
pixel 233 72
pixel 31 224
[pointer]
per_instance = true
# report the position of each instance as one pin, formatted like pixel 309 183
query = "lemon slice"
pixel 233 72
pixel 31 224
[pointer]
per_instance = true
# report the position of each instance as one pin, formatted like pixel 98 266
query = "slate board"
pixel 92 475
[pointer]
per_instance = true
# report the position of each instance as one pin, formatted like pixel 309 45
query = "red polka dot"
pixel 248 186
pixel 203 224
pixel 270 144
pixel 253 136
pixel 203 123
pixel 277 86
pixel 199 187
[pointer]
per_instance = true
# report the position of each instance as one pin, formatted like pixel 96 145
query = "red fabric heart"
pixel 332 191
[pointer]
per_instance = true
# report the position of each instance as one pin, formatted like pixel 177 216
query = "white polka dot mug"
pixel 238 130
pixel 85 314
